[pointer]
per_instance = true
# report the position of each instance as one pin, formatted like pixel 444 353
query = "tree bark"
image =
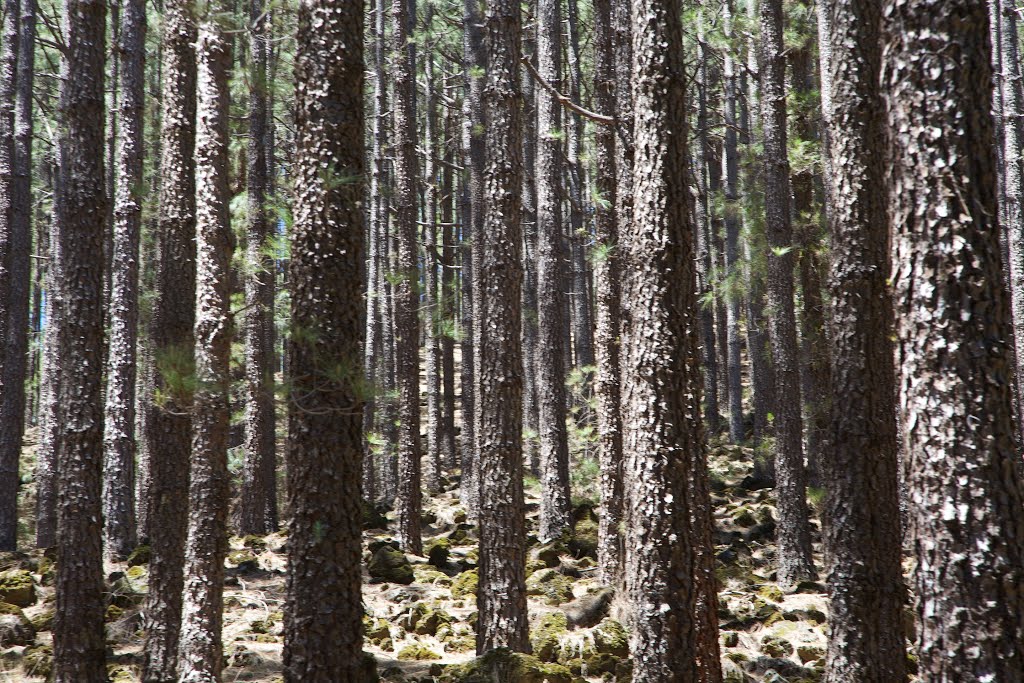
pixel 78 639
pixel 668 515
pixel 953 328
pixel 168 428
pixel 501 598
pixel 409 501
pixel 859 470
pixel 323 614
pixel 119 423
pixel 9 50
pixel 200 651
pixel 793 532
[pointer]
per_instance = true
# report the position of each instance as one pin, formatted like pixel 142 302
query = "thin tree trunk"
pixel 119 425
pixel 432 351
pixel 501 598
pixel 793 532
pixel 952 326
pixel 9 50
pixel 409 502
pixel 201 653
pixel 323 614
pixel 447 295
pixel 554 449
pixel 531 397
pixel 78 638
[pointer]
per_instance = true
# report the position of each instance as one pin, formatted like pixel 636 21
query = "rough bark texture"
pixel 323 614
pixel 409 501
pixel 952 328
pixel 531 409
pixel 78 639
pixel 433 468
pixel 555 509
pixel 200 652
pixel 607 277
pixel 119 423
pixel 258 512
pixel 662 433
pixel 8 184
pixel 168 429
pixel 501 598
pixel 793 533
pixel 859 471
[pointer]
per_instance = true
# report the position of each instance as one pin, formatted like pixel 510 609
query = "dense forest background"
pixel 556 340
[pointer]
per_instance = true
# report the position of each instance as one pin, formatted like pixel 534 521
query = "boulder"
pixel 590 609
pixel 17 587
pixel 390 564
pixel 15 628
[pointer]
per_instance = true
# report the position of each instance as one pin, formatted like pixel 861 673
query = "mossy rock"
pixel 113 613
pixel 261 626
pixel 425 621
pixel 240 557
pixel 242 657
pixel 257 544
pixel 373 517
pixel 744 518
pixel 601 663
pixel 460 644
pixel 810 653
pixel 140 556
pixel 553 586
pixel 773 593
pixel 584 538
pixel 466 584
pixel 42 621
pixel 730 639
pixel 119 674
pixel 38 661
pixel 550 554
pixel 136 572
pixel 610 637
pixel 546 637
pixel 47 571
pixel 438 551
pixel 376 630
pixel 427 574
pixel 417 653
pixel 391 565
pixel 504 666
pixel 15 627
pixel 459 516
pixel 774 646
pixel 17 587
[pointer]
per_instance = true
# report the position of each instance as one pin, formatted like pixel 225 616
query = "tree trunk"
pixel 323 615
pixel 119 424
pixel 408 503
pixel 447 295
pixel 168 429
pixel 78 639
pixel 607 277
pixel 501 598
pixel 432 351
pixel 9 50
pixel 555 509
pixel 531 397
pixel 793 532
pixel 859 470
pixel 952 328
pixel 662 434
pixel 258 511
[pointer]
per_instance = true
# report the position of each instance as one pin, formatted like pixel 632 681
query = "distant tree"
pixel 954 351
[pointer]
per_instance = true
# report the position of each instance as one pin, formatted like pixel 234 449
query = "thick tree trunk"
pixel 607 277
pixel 953 324
pixel 258 511
pixel 673 601
pixel 501 598
pixel 168 428
pixel 78 639
pixel 200 653
pixel 119 425
pixel 793 533
pixel 555 509
pixel 409 501
pixel 323 615
pixel 859 470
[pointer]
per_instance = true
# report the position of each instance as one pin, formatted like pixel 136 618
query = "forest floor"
pixel 417 630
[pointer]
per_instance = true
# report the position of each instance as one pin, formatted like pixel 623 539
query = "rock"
pixel 590 609
pixel 730 639
pixel 601 663
pixel 465 585
pixel 783 667
pixel 546 636
pixel 43 621
pixel 550 553
pixel 438 551
pixel 460 534
pixel 809 587
pixel 504 665
pixel 140 556
pixel 744 518
pixel 732 673
pixel 549 583
pixel 417 653
pixel 809 653
pixel 15 628
pixel 257 544
pixel 459 516
pixel 243 657
pixel 390 564
pixel 425 621
pixel 610 637
pixel 776 646
pixel 38 661
pixel 812 615
pixel 428 575
pixel 773 593
pixel 374 517
pixel 584 538
pixel 376 630
pixel 17 587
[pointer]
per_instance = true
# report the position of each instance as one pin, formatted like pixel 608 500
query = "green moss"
pixel 506 666
pixel 113 613
pixel 438 551
pixel 425 621
pixel 466 584
pixel 773 593
pixel 38 661
pixel 255 543
pixel 417 653
pixel 555 588
pixel 744 518
pixel 136 572
pixel 17 587
pixel 427 574
pixel 376 630
pixel 584 538
pixel 774 646
pixel 546 638
pixel 43 621
pixel 391 565
pixel 140 555
pixel 610 637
